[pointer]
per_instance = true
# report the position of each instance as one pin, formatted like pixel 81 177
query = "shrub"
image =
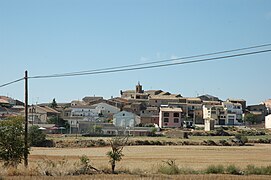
pixel 242 140
pixel 251 169
pixel 224 142
pixel 212 169
pixel 232 169
pixel 210 143
pixel 36 136
pixel 169 168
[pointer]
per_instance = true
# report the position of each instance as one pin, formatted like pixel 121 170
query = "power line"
pixel 163 61
pixel 135 66
pixel 153 66
pixel 12 82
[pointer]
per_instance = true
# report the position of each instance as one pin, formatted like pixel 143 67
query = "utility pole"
pixel 26 122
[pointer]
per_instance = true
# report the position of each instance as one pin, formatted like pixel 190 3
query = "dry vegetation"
pixel 142 161
pixel 146 157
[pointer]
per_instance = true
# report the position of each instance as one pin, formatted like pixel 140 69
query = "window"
pixel 166 120
pixel 176 120
pixel 176 115
pixel 166 114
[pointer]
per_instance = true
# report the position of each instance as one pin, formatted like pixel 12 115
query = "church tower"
pixel 139 88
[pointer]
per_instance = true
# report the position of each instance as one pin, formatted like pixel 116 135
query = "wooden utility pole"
pixel 26 122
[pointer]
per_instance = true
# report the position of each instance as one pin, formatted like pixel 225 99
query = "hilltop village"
pixel 138 112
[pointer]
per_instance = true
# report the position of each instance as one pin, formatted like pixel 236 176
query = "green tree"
pixel 60 122
pixel 250 118
pixel 36 136
pixel 53 104
pixel 117 144
pixel 12 146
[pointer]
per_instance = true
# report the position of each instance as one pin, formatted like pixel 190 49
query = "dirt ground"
pixel 147 158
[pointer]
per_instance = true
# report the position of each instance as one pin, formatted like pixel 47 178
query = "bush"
pixel 210 143
pixel 212 169
pixel 242 139
pixel 169 168
pixel 251 169
pixel 224 142
pixel 232 169
pixel 36 136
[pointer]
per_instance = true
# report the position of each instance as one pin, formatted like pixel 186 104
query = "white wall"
pixel 268 122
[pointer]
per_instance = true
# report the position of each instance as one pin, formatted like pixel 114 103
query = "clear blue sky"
pixel 58 36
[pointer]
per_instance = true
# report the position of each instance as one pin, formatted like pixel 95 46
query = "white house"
pixel 125 119
pixel 234 108
pixel 268 121
pixel 84 111
pixel 226 114
pixel 106 109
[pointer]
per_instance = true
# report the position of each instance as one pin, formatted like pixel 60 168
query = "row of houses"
pixel 138 107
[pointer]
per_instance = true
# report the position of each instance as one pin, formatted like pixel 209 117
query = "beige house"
pixel 40 114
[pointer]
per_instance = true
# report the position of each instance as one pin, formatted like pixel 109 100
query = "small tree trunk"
pixel 113 167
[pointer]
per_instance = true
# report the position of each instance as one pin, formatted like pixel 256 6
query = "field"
pixel 147 158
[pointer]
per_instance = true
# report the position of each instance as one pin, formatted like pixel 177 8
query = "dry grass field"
pixel 147 158
pixel 144 161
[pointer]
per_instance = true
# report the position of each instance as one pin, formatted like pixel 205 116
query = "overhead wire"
pixel 12 82
pixel 149 67
pixel 141 66
pixel 165 60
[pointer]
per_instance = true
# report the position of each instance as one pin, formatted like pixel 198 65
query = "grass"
pixel 251 169
pixel 215 169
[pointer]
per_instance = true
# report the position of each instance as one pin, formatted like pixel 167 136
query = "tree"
pixel 12 146
pixel 60 122
pixel 117 144
pixel 36 136
pixel 53 104
pixel 250 118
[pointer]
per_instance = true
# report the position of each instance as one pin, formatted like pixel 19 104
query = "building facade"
pixel 170 117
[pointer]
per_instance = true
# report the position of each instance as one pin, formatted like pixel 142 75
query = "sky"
pixel 59 36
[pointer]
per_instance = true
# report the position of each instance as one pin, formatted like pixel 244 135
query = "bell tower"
pixel 139 88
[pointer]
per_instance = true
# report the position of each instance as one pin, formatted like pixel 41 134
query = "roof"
pixel 232 103
pixel 129 91
pixel 77 102
pixel 171 109
pixel 88 99
pixel 153 92
pixel 151 109
pixel 164 97
pixel 193 99
pixel 230 99
pixel 3 101
pixel 83 107
pixel 48 109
